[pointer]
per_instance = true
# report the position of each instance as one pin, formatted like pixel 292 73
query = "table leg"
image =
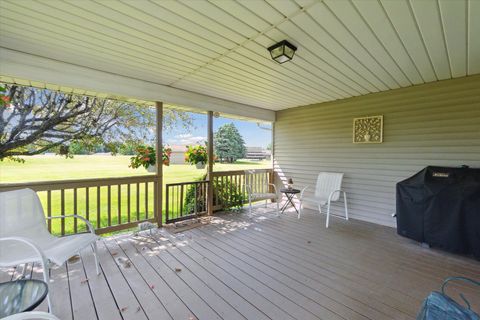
pixel 289 202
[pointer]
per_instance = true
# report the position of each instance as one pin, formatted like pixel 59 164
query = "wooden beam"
pixel 159 164
pixel 27 66
pixel 210 162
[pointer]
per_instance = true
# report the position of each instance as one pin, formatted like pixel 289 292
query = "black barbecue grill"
pixel 440 206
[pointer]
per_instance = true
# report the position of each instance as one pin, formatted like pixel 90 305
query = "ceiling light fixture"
pixel 282 51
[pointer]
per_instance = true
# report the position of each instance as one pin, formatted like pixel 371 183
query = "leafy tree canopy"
pixel 33 121
pixel 229 144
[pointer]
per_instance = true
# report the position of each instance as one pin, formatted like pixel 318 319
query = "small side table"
pixel 21 295
pixel 290 194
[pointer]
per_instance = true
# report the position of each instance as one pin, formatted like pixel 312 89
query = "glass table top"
pixel 21 295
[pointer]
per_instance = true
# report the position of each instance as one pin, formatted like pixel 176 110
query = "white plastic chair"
pixel 31 315
pixel 24 236
pixel 327 190
pixel 258 189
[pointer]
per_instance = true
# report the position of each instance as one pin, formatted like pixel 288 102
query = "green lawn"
pixel 50 167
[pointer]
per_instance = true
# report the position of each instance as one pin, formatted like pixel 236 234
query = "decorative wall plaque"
pixel 368 129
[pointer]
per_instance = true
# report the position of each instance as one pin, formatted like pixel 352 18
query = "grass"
pixel 50 167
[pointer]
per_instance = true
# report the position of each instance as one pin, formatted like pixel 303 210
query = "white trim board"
pixel 22 65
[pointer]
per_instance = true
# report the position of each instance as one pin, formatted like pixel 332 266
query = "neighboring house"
pixel 178 154
pixel 257 153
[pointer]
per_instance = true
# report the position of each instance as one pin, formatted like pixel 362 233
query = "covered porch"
pixel 413 64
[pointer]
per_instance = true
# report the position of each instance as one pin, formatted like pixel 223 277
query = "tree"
pixel 229 144
pixel 33 121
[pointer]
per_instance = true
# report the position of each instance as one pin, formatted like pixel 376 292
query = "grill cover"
pixel 440 206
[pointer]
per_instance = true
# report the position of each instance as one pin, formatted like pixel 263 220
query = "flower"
pixel 196 154
pixel 146 156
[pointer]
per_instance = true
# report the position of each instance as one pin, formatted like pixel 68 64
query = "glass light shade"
pixel 282 51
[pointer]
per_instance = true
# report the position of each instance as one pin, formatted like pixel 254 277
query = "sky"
pixel 250 131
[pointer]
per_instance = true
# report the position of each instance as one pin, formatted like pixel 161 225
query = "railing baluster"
pixel 49 209
pixel 128 202
pixel 109 205
pixel 146 200
pixel 231 191
pixel 75 227
pixel 87 203
pixel 119 199
pixel 195 211
pixel 138 201
pixel 181 199
pixel 98 207
pixel 155 188
pixel 62 209
pixel 204 198
pixel 167 204
pixel 176 201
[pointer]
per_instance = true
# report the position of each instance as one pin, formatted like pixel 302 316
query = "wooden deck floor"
pixel 263 268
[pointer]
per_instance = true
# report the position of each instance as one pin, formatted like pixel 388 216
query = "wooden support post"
pixel 159 164
pixel 272 161
pixel 210 163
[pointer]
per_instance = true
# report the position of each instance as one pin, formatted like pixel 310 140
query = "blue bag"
pixel 439 306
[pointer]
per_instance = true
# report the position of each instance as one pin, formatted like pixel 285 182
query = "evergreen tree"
pixel 229 144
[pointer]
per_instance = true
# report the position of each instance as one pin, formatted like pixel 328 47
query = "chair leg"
pixel 328 214
pixel 46 279
pixel 278 207
pixel 346 207
pixel 266 203
pixel 95 255
pixel 24 271
pixel 250 206
pixel 300 209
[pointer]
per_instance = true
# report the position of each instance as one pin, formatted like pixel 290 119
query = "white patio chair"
pixel 258 189
pixel 327 190
pixel 25 238
pixel 31 315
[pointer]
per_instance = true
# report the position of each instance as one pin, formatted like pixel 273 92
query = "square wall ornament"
pixel 368 129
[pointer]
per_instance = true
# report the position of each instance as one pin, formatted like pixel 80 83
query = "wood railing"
pixel 114 204
pixel 110 204
pixel 229 187
pixel 185 200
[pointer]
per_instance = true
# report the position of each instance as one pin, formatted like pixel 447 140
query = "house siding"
pixel 431 124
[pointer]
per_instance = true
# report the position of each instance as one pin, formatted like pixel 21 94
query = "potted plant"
pixel 146 158
pixel 196 155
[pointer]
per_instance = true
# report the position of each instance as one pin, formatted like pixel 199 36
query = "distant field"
pixel 51 167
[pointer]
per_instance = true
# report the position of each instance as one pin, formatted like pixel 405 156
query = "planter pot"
pixel 200 165
pixel 151 168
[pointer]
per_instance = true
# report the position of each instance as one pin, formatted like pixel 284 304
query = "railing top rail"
pixel 76 183
pixel 237 172
pixel 185 183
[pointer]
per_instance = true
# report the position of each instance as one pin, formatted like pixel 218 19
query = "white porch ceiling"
pixel 218 48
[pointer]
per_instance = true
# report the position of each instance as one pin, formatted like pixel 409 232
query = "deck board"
pixel 265 267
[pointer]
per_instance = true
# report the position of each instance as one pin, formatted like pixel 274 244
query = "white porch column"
pixel 159 163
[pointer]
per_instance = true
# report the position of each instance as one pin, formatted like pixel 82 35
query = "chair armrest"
pixel 333 192
pixel 274 187
pixel 89 225
pixel 302 192
pixel 29 243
